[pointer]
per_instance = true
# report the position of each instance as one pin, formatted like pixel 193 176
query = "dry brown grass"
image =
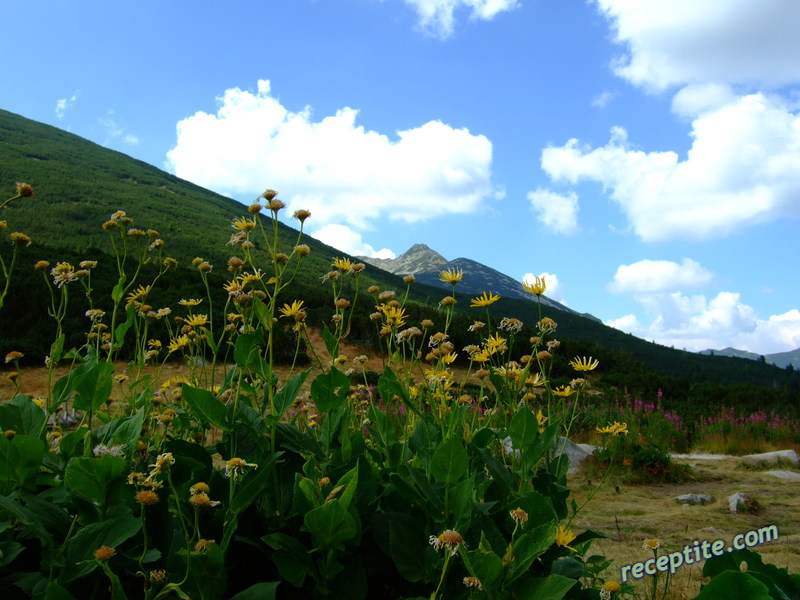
pixel 650 511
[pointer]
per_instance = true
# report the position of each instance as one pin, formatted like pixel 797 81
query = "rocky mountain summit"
pixel 425 264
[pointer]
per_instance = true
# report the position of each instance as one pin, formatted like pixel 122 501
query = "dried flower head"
pixel 24 190
pixel 236 466
pixel 302 250
pixel 473 582
pixel 203 545
pixel 104 553
pixel 652 544
pixel 449 540
pixel 19 239
pixel 41 265
pixel 301 215
pixel 146 497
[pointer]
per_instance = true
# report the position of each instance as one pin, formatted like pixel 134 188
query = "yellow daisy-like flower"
pixel 564 391
pixel 178 343
pixel 452 276
pixel 484 299
pixel 291 310
pixel 541 420
pixel 190 302
pixel 197 320
pixel 395 315
pixel 495 343
pixel 564 536
pixel 537 287
pixel 449 540
pixel 343 264
pixel 584 364
pixel 138 294
pixel 244 224
pixel 536 380
pixel 652 544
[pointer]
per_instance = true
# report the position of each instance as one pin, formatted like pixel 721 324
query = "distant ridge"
pixel 779 359
pixel 426 264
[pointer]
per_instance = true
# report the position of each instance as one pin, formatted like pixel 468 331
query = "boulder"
pixel 771 458
pixel 692 499
pixel 739 502
pixel 783 474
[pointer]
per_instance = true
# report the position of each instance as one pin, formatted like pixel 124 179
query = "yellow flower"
pixel 244 224
pixel 584 364
pixel 535 380
pixel 301 215
pixel 189 302
pixel 104 553
pixel 20 239
pixel 485 299
pixel 146 497
pixel 236 466
pixel 452 276
pixel 541 419
pixel 614 429
pixel 13 356
pixel 564 391
pixel 564 536
pixel 199 488
pixel 450 540
pixel 395 315
pixel 537 287
pixel 652 544
pixel 495 344
pixel 291 310
pixel 519 516
pixel 201 500
pixel 197 320
pixel 611 586
pixel 343 264
pixel 178 343
pixel 203 545
pixel 138 294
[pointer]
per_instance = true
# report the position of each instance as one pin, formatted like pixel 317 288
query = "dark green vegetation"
pixel 79 184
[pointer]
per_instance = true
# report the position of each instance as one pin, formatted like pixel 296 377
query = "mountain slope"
pixel 779 359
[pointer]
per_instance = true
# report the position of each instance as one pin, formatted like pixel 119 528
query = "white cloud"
pixel 345 239
pixel 64 104
pixel 332 166
pixel 603 99
pixel 115 131
pixel 659 276
pixel 696 323
pixel 437 16
pixel 698 98
pixel 743 168
pixel 559 212
pixel 554 291
pixel 686 41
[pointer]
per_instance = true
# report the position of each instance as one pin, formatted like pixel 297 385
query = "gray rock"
pixel 692 499
pixel 771 458
pixel 783 474
pixel 737 501
pixel 576 453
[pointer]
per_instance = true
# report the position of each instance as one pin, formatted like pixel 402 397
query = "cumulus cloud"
pixel 555 291
pixel 345 239
pixel 437 17
pixel 685 41
pixel 697 323
pixel 693 100
pixel 659 276
pixel 64 104
pixel 743 168
pixel 603 99
pixel 332 166
pixel 558 212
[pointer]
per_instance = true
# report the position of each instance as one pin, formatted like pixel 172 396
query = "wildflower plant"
pixel 315 484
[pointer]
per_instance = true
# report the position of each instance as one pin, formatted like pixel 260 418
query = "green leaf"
pixel 92 383
pixel 568 567
pixel 487 566
pixel 331 345
pixel 330 524
pixel 330 390
pixel 119 290
pixel 408 553
pixel 93 478
pixel 20 460
pixel 79 550
pixel 350 481
pixel 122 329
pixel 553 587
pixel 247 352
pixel 57 348
pixel 22 415
pixel 56 592
pixel 207 405
pixel 527 548
pixel 450 461
pixel 523 429
pixel 254 485
pixel 287 394
pixel 734 585
pixel 125 431
pixel 258 591
pixel 389 387
pixel 483 437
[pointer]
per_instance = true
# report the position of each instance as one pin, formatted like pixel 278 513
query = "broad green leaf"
pixel 125 431
pixel 330 524
pixel 206 405
pixel 122 329
pixel 523 429
pixel 350 481
pixel 79 550
pixel 389 387
pixel 330 390
pixel 258 591
pixel 568 567
pixel 552 587
pixel 487 566
pixel 57 348
pixel 22 415
pixel 450 461
pixel 287 394
pixel 254 485
pixel 93 478
pixel 527 548
pixel 56 592
pixel 407 548
pixel 20 460
pixel 92 384
pixel 331 345
pixel 247 352
pixel 119 290
pixel 734 585
pixel 330 427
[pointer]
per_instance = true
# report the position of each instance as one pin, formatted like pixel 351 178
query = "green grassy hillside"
pixel 78 184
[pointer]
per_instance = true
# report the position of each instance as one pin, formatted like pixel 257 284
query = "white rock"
pixel 783 474
pixel 771 457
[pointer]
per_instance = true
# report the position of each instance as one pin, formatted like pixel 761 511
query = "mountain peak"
pixel 416 259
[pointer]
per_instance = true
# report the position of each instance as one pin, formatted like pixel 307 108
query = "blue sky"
pixel 644 156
